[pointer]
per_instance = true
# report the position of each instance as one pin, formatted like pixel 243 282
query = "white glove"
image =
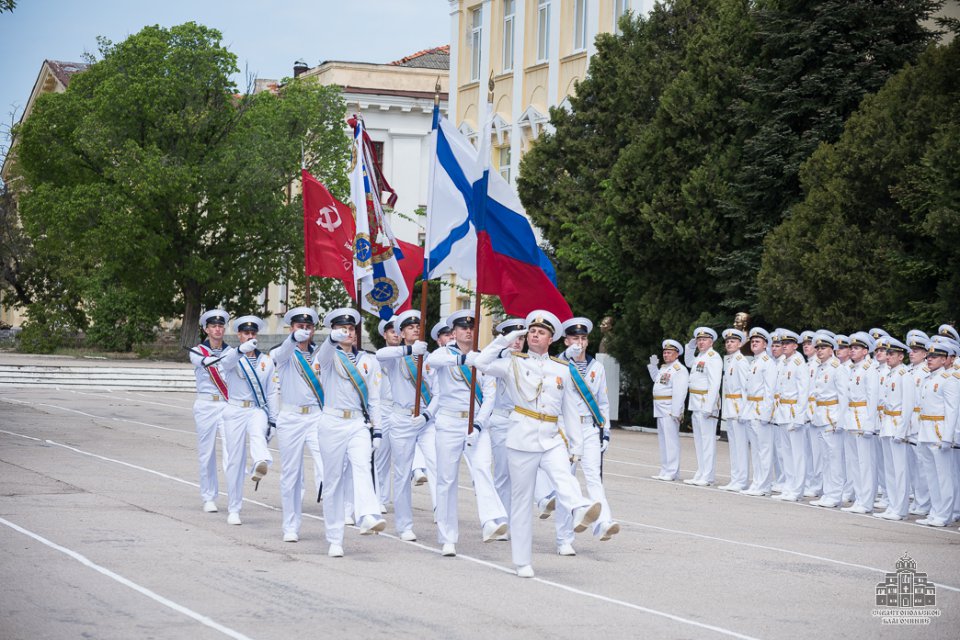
pixel 692 345
pixel 473 436
pixel 471 358
pixel 418 348
pixel 301 335
pixel 377 439
pixel 339 335
pixel 248 346
pixel 604 443
pixel 655 361
pixel 209 360
pixel 418 421
pixel 513 335
pixel 573 351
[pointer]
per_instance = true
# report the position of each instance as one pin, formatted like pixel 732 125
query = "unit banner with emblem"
pixel 328 234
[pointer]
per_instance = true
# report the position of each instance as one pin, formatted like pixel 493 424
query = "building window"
pixel 475 34
pixel 504 163
pixel 508 13
pixel 543 30
pixel 620 7
pixel 579 25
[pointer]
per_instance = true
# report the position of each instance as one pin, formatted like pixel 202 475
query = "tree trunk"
pixel 191 315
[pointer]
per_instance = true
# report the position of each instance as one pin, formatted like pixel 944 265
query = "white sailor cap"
pixel 249 323
pixel 883 342
pixel 301 314
pixel 672 344
pixel 545 319
pixel 777 334
pixel 876 333
pixel 862 339
pixel 577 327
pixel 341 316
pixel 407 318
pixel 941 348
pixel 439 329
pixel 789 336
pixel 510 325
pixel 759 332
pixel 462 318
pixel 827 332
pixel 918 340
pixel 825 340
pixel 734 333
pixel 916 333
pixel 704 332
pixel 948 330
pixel 892 344
pixel 383 325
pixel 214 316
pixel 808 336
pixel 842 340
pixel 948 340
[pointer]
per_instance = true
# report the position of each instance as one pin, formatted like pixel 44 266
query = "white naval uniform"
pixel 545 412
pixel 344 436
pixel 761 383
pixel 706 369
pixel 208 414
pixel 863 392
pixel 939 403
pixel 813 476
pixel 450 407
pixel 829 408
pixel 297 422
pixel 592 459
pixel 790 416
pixel 383 456
pixel 851 464
pixel 404 436
pixel 736 367
pixel 897 396
pixel 918 479
pixel 669 395
pixel 243 419
pixel 781 443
pixel 499 426
pixel 883 370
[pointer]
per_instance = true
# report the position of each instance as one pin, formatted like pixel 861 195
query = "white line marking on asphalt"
pixel 199 617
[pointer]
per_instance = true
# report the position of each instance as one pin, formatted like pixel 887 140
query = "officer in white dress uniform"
pixel 946 335
pixel 670 382
pixel 780 441
pixel 450 408
pixel 880 358
pixel 706 370
pixel 210 402
pixel 861 426
pixel 897 394
pixel 500 419
pixel 545 433
pixel 939 403
pixel 851 465
pixel 813 480
pixel 790 416
pixel 250 412
pixel 829 408
pixel 400 368
pixel 301 399
pixel 593 409
pixel 349 426
pixel 918 342
pixel 761 384
pixel 735 368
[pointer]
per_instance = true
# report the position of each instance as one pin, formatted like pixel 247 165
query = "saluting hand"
pixel 248 346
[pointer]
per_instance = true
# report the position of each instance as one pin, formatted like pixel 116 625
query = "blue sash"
pixel 253 381
pixel 424 389
pixel 355 377
pixel 465 372
pixel 586 394
pixel 306 372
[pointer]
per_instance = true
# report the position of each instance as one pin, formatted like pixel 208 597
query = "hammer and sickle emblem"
pixel 329 219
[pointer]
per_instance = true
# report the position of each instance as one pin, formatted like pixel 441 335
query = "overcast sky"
pixel 267 37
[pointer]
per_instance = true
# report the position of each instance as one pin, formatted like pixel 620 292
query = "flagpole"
pixel 484 149
pixel 426 268
pixel 306 278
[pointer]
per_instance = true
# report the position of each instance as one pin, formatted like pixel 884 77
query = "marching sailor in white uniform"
pixel 546 429
pixel 251 410
pixel 669 396
pixel 211 400
pixel 349 426
pixel 301 400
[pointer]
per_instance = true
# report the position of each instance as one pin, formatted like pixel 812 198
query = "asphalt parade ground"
pixel 102 536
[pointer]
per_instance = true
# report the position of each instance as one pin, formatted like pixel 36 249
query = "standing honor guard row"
pixel 864 419
pixel 405 414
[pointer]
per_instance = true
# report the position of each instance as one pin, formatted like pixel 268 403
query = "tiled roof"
pixel 436 58
pixel 65 70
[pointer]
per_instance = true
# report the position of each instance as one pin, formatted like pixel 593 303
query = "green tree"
pixel 816 61
pixel 875 240
pixel 160 189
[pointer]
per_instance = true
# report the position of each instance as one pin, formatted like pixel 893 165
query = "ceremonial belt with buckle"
pixel 754 398
pixel 536 416
pixel 891 413
pixel 301 409
pixel 857 404
pixel 244 404
pixel 827 403
pixel 454 413
pixel 932 418
pixel 698 392
pixel 663 397
pixel 212 397
pixel 788 401
pixel 732 396
pixel 346 414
